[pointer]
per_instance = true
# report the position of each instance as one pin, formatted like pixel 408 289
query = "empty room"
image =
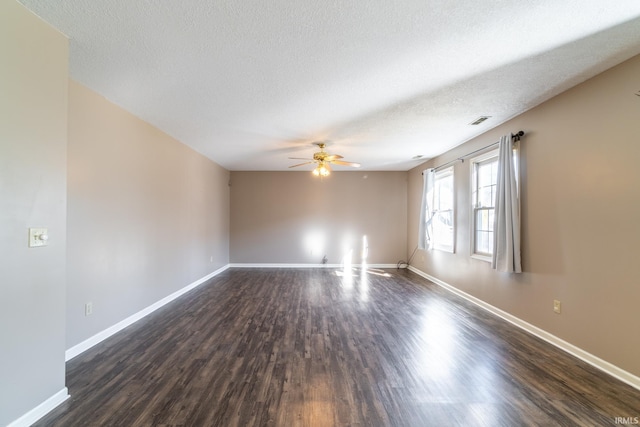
pixel 409 213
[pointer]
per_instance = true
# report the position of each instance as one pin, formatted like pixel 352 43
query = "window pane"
pixel 479 217
pixel 446 193
pixel 484 242
pixel 490 219
pixel 484 175
pixel 445 218
pixel 484 219
pixel 485 196
pixel 494 189
pixel 443 202
pixel 443 228
pixel 494 172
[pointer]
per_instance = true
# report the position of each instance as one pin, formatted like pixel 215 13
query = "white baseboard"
pixel 41 410
pixel 581 354
pixel 276 265
pixel 101 336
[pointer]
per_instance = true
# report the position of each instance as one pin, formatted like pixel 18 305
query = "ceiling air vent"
pixel 479 120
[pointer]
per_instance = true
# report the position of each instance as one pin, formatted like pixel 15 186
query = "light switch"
pixel 38 237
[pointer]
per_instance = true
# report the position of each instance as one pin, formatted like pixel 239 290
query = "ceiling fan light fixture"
pixel 323 160
pixel 321 170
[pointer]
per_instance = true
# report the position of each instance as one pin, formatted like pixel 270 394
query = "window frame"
pixel 488 157
pixel 439 175
pixel 483 158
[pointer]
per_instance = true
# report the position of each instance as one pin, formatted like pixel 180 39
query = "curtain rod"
pixel 515 136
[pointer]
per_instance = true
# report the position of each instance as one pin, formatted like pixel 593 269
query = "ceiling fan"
pixel 322 159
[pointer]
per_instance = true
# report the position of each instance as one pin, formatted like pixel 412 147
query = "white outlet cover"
pixel 38 237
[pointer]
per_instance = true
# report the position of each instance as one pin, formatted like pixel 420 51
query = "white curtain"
pixel 506 236
pixel 426 211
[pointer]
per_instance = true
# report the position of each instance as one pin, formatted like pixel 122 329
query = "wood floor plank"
pixel 325 347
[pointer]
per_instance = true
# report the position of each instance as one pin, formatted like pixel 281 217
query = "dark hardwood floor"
pixel 313 347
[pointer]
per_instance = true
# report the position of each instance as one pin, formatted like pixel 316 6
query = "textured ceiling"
pixel 250 83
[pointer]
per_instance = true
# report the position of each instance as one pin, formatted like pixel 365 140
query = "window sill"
pixel 482 257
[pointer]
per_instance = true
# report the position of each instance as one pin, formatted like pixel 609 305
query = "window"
pixel 485 177
pixel 442 210
pixel 483 199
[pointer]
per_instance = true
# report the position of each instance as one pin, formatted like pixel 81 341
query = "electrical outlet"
pixel 88 309
pixel 556 306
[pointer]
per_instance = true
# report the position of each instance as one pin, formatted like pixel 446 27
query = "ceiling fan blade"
pixel 301 164
pixel 332 157
pixel 342 163
pixel 300 158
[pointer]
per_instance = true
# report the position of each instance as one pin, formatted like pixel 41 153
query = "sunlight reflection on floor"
pixel 439 336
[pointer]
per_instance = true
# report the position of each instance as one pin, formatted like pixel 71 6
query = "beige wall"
pixel 147 215
pixel 295 218
pixel 33 148
pixel 580 213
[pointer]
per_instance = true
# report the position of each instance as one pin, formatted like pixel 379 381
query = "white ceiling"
pixel 249 83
